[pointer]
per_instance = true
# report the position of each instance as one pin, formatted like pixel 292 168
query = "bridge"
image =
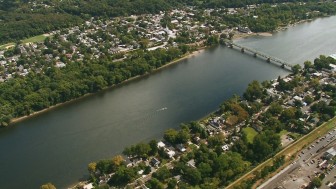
pixel 270 59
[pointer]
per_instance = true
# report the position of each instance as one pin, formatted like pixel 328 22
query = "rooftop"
pixel 333 56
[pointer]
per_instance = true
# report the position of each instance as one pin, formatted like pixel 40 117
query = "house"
pixel 60 65
pixel 297 98
pixel 317 74
pixel 333 56
pixel 225 147
pixel 155 162
pixel 171 153
pixel 88 186
pixel 161 144
pixel 333 66
pixel 244 29
pixel 191 163
pixel 180 147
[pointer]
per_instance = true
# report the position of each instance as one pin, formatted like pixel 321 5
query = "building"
pixel 244 29
pixel 333 56
pixel 225 147
pixel 329 153
pixel 155 162
pixel 180 147
pixel 88 186
pixel 171 153
pixel 161 144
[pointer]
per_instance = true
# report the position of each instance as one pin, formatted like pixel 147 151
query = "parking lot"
pixel 305 167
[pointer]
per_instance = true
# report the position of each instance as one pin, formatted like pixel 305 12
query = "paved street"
pixel 304 167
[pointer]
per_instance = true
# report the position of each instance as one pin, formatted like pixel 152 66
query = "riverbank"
pixel 240 35
pixel 184 57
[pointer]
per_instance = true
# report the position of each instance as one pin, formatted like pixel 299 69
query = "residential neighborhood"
pixel 295 105
pixel 209 153
pixel 99 38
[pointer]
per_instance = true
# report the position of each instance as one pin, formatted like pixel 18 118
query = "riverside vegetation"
pixel 52 85
pixel 216 150
pixel 37 84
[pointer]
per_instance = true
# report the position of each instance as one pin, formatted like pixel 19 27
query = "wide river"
pixel 56 146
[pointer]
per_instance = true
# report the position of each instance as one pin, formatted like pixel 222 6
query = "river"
pixel 56 146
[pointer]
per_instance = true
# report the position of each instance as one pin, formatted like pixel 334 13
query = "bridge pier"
pixel 283 66
pixel 230 45
pixel 242 50
pixel 255 55
pixel 268 60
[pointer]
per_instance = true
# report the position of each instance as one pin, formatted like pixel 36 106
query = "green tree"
pixel 162 174
pixel 253 91
pixel 288 114
pixel 183 136
pixel 275 108
pixel 123 176
pixel 212 40
pixel 92 167
pixel 172 183
pixel 296 68
pixel 316 182
pixel 307 65
pixel 308 99
pixel 154 147
pixel 205 169
pixel 193 176
pixel 170 136
pixel 48 186
pixel 155 184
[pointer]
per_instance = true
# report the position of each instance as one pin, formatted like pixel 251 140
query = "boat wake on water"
pixel 162 109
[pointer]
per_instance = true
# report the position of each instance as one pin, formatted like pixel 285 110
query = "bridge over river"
pixel 270 59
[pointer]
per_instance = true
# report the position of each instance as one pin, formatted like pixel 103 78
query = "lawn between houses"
pixel 5 46
pixel 289 152
pixel 250 133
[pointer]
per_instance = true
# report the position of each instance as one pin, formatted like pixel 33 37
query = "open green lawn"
pixel 250 133
pixel 6 45
pixel 35 39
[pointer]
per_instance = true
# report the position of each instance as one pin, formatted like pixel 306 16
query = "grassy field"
pixel 35 39
pixel 291 150
pixel 250 133
pixel 5 46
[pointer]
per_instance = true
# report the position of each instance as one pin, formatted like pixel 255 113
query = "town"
pixel 243 132
pixel 209 153
pixel 99 38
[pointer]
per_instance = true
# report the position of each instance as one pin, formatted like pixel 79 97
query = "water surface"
pixel 56 146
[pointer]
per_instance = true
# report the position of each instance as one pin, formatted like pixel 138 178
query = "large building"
pixel 330 153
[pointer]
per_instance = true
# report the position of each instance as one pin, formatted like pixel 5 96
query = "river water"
pixel 56 146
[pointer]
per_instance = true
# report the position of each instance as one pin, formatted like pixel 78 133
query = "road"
pixel 306 161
